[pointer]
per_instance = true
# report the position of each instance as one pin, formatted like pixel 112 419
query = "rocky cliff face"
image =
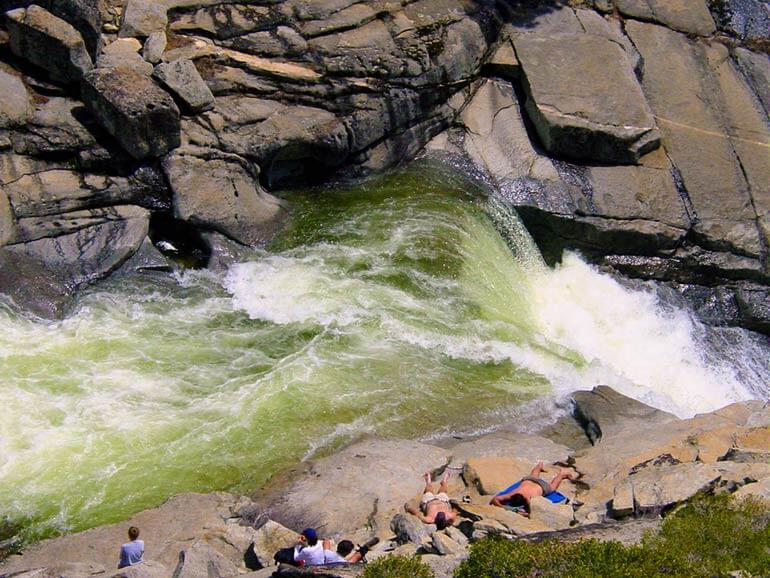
pixel 633 130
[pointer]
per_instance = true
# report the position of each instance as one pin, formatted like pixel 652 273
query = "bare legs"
pixel 429 483
pixel 564 474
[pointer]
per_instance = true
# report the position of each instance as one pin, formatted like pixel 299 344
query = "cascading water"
pixel 408 305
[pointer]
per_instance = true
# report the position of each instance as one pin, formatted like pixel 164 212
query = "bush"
pixel 397 567
pixel 708 537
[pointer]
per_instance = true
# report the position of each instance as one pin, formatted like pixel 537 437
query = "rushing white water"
pixel 395 307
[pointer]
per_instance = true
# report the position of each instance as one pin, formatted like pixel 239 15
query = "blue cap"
pixel 310 534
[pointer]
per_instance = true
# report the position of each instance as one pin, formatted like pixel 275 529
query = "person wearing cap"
pixel 309 551
pixel 435 508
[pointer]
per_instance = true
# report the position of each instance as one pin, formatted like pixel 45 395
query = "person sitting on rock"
pixel 346 552
pixel 529 487
pixel 308 551
pixel 131 552
pixel 434 508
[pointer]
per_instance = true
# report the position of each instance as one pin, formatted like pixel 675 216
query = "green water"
pixel 393 307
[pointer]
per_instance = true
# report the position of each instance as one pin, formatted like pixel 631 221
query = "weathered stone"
pixel 15 102
pixel 751 446
pixel 492 519
pixel 606 413
pixel 443 545
pixel 7 224
pixel 456 535
pixel 524 447
pixel 749 20
pixel 692 131
pixel 351 17
pixel 504 63
pixel 202 561
pixel 756 70
pixel 622 500
pixel 154 47
pixel 659 487
pixel 270 538
pixel 55 127
pixel 690 16
pixel 577 111
pixel 48 42
pixel 182 79
pixel 490 475
pixel 759 490
pixel 124 52
pixel 133 109
pixel 408 528
pixel 323 494
pixel 222 195
pixel 143 17
pixel 555 516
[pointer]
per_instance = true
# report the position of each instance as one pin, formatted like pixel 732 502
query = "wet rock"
pixel 577 111
pixel 754 306
pixel 182 79
pixel 222 195
pixel 124 52
pixel 749 20
pixel 604 412
pixel 133 109
pixel 48 42
pixel 689 16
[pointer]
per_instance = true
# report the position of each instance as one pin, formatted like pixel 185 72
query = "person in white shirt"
pixel 309 551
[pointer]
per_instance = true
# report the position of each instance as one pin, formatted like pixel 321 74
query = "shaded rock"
pixel 182 79
pixel 48 42
pixel 148 569
pixel 56 126
pixel 754 305
pixel 577 111
pixel 124 52
pixel 15 102
pixel 222 195
pixel 409 528
pixel 690 16
pixel 605 412
pixel 749 20
pixel 154 47
pixel 734 476
pixel 7 221
pixel 456 535
pixel 133 109
pixel 659 487
pixel 717 190
pixel 322 493
pixel 202 561
pixel 271 537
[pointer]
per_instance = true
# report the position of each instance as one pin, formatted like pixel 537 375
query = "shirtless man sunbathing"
pixel 434 508
pixel 531 486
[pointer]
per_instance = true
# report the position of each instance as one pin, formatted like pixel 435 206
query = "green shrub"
pixel 708 537
pixel 397 567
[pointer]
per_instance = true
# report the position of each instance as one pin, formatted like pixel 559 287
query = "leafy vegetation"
pixel 398 567
pixel 708 537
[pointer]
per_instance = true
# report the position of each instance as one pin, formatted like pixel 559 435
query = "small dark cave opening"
pixel 299 166
pixel 179 241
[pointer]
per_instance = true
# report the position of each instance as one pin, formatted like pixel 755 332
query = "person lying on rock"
pixel 131 552
pixel 530 486
pixel 434 508
pixel 346 552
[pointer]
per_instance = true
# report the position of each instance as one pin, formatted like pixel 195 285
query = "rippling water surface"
pixel 393 307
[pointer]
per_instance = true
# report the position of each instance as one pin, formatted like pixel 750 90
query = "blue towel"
pixel 554 497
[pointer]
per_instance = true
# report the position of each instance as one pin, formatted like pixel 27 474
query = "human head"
pixel 441 521
pixel 311 536
pixel 133 533
pixel 345 547
pixel 519 501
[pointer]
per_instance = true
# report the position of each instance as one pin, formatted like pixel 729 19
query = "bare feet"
pixel 568 474
pixel 445 479
pixel 427 478
pixel 409 508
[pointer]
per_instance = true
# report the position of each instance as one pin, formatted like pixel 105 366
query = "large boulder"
pixel 201 561
pixel 693 130
pixel 124 52
pixel 583 98
pixel 660 487
pixel 48 42
pixel 134 110
pixel 15 102
pixel 222 195
pixel 374 471
pixel 182 79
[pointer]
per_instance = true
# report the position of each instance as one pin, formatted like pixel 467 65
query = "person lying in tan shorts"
pixel 435 508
